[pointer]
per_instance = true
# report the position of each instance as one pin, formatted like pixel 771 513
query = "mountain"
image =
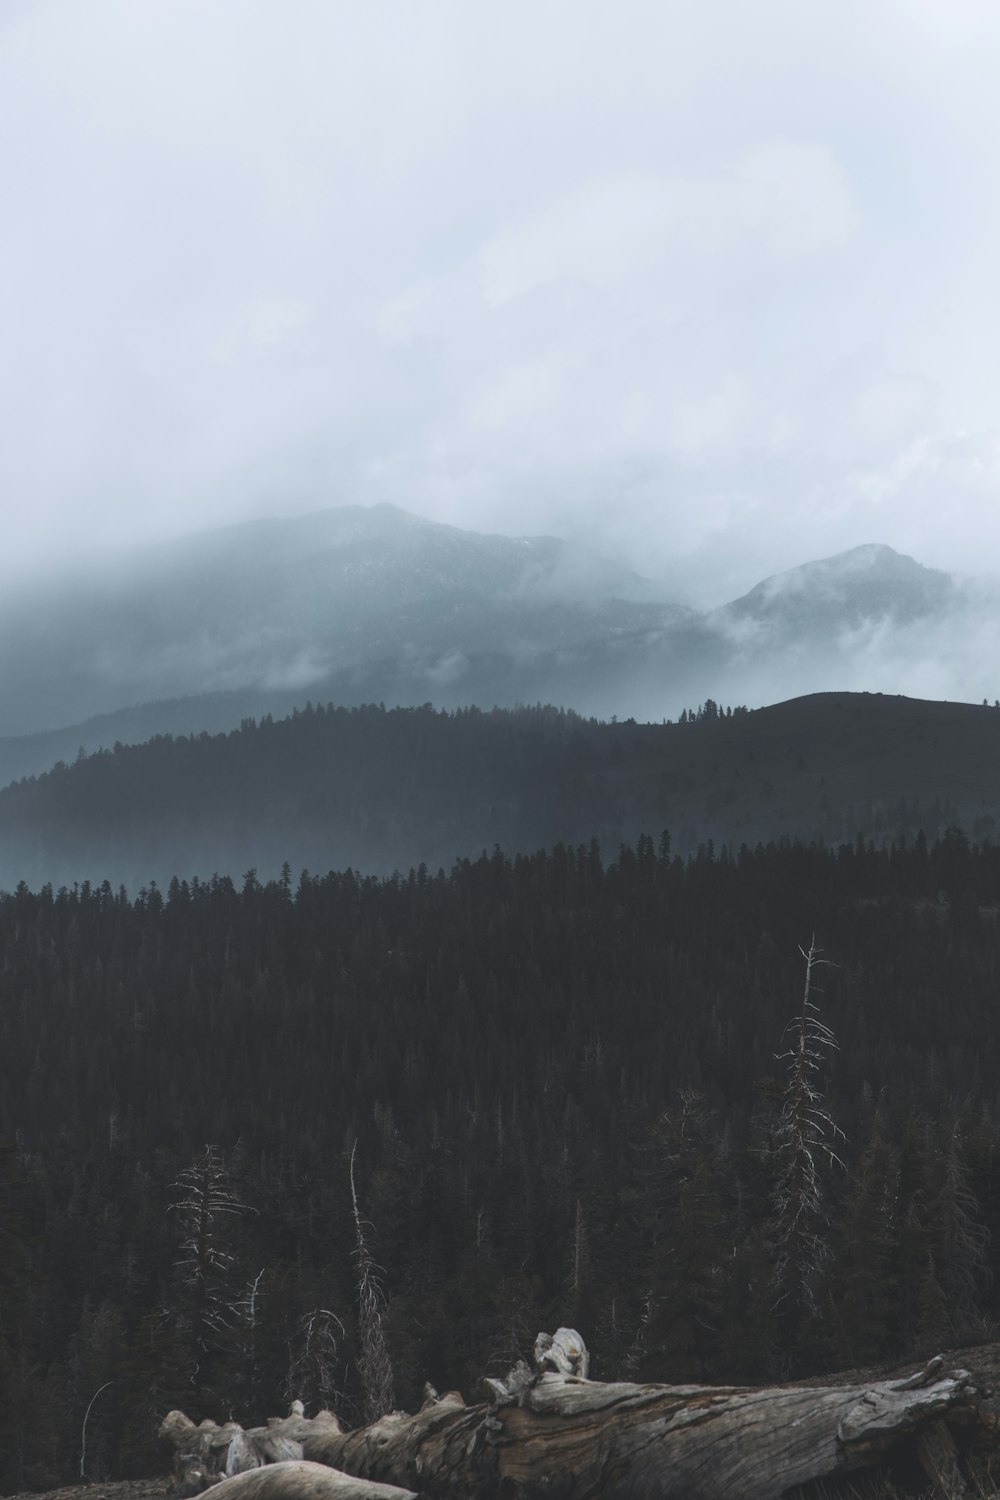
pixel 354 603
pixel 868 585
pixel 380 789
pixel 362 605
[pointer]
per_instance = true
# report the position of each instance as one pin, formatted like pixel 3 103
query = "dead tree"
pixel 305 1481
pixel 204 1206
pixel 314 1359
pixel 552 1432
pixel 374 1364
pixel 555 1433
pixel 207 1453
pixel 804 1139
pixel 264 1463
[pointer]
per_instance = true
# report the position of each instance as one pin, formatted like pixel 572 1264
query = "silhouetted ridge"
pixel 359 605
pixel 382 789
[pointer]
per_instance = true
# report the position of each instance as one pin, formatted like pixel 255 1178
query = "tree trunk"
pixel 262 1464
pixel 556 1434
pixel 290 1480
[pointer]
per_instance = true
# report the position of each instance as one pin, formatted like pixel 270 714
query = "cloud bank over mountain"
pixel 710 285
pixel 362 605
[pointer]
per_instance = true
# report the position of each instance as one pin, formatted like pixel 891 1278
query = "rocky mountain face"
pixel 358 605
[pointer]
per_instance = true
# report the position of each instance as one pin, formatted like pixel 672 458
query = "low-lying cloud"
pixel 711 285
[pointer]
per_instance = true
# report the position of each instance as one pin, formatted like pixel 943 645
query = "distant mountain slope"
pixel 380 789
pixel 867 584
pixel 869 619
pixel 364 605
pixel 289 606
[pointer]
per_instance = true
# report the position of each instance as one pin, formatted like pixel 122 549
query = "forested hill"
pixel 380 789
pixel 563 1083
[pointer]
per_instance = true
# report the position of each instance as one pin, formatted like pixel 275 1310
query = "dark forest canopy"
pixel 386 789
pixel 561 1073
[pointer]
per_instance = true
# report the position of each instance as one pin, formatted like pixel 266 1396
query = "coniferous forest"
pixel 383 789
pixel 499 750
pixel 565 1077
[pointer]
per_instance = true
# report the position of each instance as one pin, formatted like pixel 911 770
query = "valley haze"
pixel 403 651
pixel 382 790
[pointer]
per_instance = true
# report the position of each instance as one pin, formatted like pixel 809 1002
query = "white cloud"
pixel 713 283
pixel 259 328
pixel 797 198
pixel 782 199
pixel 600 234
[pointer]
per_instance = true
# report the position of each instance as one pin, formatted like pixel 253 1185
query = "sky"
pixel 711 286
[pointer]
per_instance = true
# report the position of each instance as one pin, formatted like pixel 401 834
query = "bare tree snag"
pixel 552 1432
pixel 374 1364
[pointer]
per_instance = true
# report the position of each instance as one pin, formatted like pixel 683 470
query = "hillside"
pixel 563 1078
pixel 381 789
pixel 374 602
pixel 362 605
pixel 865 584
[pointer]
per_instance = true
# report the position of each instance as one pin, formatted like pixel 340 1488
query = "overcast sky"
pixel 712 283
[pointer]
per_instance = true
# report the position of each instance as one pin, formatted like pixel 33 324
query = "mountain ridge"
pixel 383 789
pixel 359 604
pixel 273 604
pixel 868 582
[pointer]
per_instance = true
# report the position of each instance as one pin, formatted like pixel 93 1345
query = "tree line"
pixel 382 789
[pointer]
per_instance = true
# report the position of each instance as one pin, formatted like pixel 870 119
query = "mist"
pixel 708 292
pixel 366 605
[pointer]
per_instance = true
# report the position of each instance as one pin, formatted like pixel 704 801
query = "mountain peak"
pixel 869 582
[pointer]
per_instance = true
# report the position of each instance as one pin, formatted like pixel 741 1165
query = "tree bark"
pixel 264 1463
pixel 558 1435
pixel 554 1433
pixel 290 1480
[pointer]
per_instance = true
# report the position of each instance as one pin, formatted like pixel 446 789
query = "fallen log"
pixel 289 1480
pixel 552 1432
pixel 555 1433
pixel 208 1454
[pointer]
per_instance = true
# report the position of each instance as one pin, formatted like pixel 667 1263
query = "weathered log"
pixel 552 1432
pixel 264 1463
pixel 304 1481
pixel 560 1435
pixel 207 1454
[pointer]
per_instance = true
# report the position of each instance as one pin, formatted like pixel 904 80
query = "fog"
pixel 359 604
pixel 710 290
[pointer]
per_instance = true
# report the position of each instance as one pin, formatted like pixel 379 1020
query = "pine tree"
pixel 962 1241
pixel 683 1195
pixel 864 1290
pixel 580 1276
